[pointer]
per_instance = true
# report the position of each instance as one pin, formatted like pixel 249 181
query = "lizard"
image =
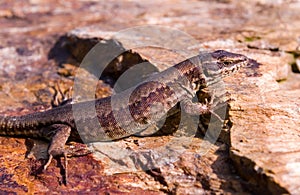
pixel 147 103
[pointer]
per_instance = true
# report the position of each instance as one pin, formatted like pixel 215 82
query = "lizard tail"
pixel 17 125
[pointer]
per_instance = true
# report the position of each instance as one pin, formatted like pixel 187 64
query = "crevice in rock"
pixel 295 66
pixel 73 50
pixel 257 178
pixel 157 176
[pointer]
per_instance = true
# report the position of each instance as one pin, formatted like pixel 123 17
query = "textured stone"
pixel 41 41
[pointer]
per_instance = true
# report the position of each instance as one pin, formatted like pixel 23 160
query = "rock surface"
pixel 42 43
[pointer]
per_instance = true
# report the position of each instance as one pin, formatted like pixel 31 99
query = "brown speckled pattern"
pixel 147 102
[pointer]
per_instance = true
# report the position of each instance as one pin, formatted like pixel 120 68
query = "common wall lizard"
pixel 148 102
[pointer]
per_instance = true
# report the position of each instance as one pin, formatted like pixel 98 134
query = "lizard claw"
pixel 212 105
pixel 48 162
pixel 66 169
pixel 62 97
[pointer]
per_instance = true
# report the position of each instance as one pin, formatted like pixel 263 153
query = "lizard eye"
pixel 226 63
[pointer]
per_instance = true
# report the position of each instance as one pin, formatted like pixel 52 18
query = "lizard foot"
pixel 57 145
pixel 197 108
pixel 61 97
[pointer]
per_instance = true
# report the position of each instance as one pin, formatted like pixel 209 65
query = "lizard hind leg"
pixel 61 97
pixel 57 146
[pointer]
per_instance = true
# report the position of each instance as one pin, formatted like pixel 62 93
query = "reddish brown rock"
pixel 264 113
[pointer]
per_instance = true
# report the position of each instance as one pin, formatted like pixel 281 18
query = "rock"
pixel 265 128
pixel 43 42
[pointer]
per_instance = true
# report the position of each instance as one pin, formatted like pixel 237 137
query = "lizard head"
pixel 222 63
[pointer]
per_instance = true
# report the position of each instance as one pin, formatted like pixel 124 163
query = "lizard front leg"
pixel 194 108
pixel 57 145
pixel 197 108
